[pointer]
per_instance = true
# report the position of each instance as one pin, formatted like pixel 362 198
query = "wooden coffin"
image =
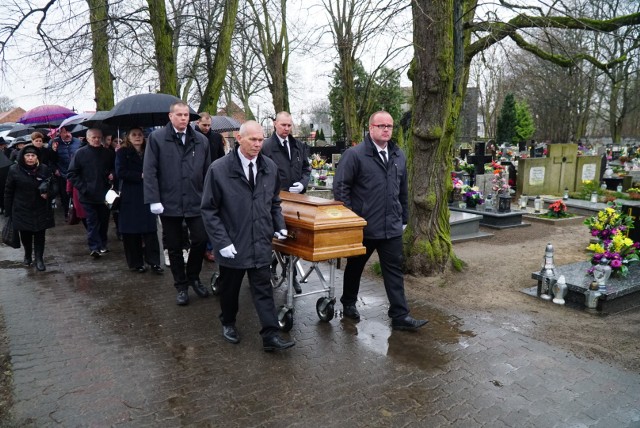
pixel 319 229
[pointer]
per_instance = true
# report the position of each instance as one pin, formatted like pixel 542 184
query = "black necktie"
pixel 251 178
pixel 384 157
pixel 180 135
pixel 284 143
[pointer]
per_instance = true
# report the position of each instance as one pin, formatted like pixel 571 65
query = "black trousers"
pixel 62 190
pixel 261 291
pixel 29 239
pixel 140 248
pixel 97 225
pixel 173 240
pixel 390 255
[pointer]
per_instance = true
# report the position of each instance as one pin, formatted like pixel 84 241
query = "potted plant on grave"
pixel 634 193
pixel 557 209
pixel 472 196
pixel 458 184
pixel 608 221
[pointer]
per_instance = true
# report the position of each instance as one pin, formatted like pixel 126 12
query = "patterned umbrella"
pixel 224 124
pixel 46 115
pixel 144 110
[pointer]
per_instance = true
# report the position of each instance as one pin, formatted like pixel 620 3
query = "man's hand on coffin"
pixel 229 252
pixel 296 188
pixel 281 235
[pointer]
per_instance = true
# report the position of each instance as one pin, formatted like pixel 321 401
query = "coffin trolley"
pixel 319 230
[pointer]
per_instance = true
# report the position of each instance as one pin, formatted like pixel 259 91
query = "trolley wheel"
pixel 285 318
pixel 324 309
pixel 215 283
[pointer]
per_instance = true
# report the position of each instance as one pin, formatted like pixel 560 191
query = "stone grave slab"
pixel 495 220
pixel 466 227
pixel 621 293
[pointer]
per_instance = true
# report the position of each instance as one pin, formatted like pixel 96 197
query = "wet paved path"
pixel 93 344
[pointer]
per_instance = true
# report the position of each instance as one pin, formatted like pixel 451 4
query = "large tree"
pixel 442 53
pixel 271 24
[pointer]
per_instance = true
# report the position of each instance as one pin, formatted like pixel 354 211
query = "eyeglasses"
pixel 383 126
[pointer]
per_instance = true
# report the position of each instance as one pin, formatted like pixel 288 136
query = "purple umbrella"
pixel 46 115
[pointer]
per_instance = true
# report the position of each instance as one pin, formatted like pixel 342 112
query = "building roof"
pixel 12 115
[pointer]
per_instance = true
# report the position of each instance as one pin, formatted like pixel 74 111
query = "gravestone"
pixel 561 169
pixel 563 166
pixel 479 158
pixel 464 153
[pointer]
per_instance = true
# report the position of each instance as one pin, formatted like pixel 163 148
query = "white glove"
pixel 404 226
pixel 229 252
pixel 281 235
pixel 296 188
pixel 157 208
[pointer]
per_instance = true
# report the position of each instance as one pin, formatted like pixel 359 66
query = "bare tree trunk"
pixel 98 18
pixel 275 48
pixel 216 74
pixel 163 40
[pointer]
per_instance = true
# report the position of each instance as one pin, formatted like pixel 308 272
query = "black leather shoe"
pixel 95 254
pixel 200 289
pixel 140 269
pixel 183 298
pixel 40 264
pixel 407 323
pixel 276 343
pixel 350 311
pixel 296 286
pixel 230 334
pixel 157 269
pixel 27 261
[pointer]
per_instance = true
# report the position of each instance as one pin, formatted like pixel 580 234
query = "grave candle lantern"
pixel 594 197
pixel 547 274
pixel 619 188
pixel 537 204
pixel 523 201
pixel 592 295
pixel 565 195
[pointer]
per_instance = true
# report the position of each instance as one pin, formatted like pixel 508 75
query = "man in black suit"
pixel 292 158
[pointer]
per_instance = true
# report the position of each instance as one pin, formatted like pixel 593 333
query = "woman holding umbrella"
pixel 26 199
pixel 137 224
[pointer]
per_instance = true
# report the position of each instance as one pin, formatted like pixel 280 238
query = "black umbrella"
pixel 145 110
pixel 224 124
pixel 96 120
pixel 20 129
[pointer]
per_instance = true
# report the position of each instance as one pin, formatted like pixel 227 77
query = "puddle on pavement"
pixel 422 349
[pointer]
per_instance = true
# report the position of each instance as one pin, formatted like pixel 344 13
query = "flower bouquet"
pixel 499 182
pixel 613 247
pixel 618 251
pixel 607 222
pixel 316 161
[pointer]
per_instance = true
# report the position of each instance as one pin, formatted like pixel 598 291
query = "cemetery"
pixel 559 185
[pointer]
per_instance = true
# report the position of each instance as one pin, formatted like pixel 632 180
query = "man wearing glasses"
pixel 371 180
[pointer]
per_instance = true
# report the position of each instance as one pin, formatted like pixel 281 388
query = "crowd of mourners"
pixel 209 205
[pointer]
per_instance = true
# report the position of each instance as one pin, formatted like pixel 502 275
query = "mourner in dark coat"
pixel 371 180
pixel 46 155
pixel 137 224
pixel 28 190
pixel 91 172
pixel 292 158
pixel 217 149
pixel 175 163
pixel 65 146
pixel 241 211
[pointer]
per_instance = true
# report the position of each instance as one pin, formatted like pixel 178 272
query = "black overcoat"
pixel 135 216
pixel 22 200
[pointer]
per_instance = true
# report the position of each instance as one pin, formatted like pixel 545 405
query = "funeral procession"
pixel 320 213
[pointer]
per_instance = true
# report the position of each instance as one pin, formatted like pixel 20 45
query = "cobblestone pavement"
pixel 92 344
